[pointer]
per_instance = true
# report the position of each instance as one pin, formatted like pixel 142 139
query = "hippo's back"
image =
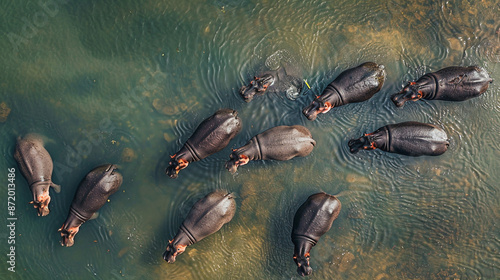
pixel 458 83
pixel 285 142
pixel 315 217
pixel 415 139
pixel 33 159
pixel 214 133
pixel 95 188
pixel 360 83
pixel 209 214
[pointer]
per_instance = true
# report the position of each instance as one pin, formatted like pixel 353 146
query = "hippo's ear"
pixel 57 188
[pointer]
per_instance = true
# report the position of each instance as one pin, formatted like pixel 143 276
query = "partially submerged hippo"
pixel 286 78
pixel 351 86
pixel 36 166
pixel 452 83
pixel 407 138
pixel 313 219
pixel 206 217
pixel 257 86
pixel 91 195
pixel 211 136
pixel 277 143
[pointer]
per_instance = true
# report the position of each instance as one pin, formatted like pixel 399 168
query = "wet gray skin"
pixel 277 143
pixel 312 220
pixel 36 166
pixel 407 138
pixel 354 85
pixel 454 83
pixel 257 86
pixel 211 136
pixel 92 193
pixel 206 217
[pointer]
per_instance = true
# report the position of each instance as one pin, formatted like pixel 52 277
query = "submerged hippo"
pixel 313 219
pixel 91 195
pixel 277 143
pixel 286 78
pixel 206 217
pixel 407 138
pixel 351 86
pixel 36 166
pixel 211 136
pixel 452 83
pixel 257 86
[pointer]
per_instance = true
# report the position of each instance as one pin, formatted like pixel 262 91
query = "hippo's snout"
pixel 168 256
pixel 398 100
pixel 258 85
pixel 358 144
pixel 68 235
pixel 172 172
pixel 303 267
pixel 173 251
pixel 248 93
pixel 408 93
pixel 41 201
pixel 232 165
pixel 311 111
pixel 176 165
pixel 67 241
pixel 43 210
pixel 304 270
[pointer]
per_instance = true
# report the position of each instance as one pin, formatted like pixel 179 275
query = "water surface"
pixel 127 82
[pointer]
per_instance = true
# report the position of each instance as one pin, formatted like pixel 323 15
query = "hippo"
pixel 351 86
pixel 286 78
pixel 258 86
pixel 313 219
pixel 277 143
pixel 91 195
pixel 211 136
pixel 36 166
pixel 407 138
pixel 454 83
pixel 206 217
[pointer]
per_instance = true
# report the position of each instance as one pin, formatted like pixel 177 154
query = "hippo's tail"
pixel 357 144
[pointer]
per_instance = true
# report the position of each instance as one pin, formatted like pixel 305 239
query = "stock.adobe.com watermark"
pixel 11 219
pixel 33 23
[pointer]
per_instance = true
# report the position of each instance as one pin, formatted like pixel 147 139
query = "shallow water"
pixel 128 82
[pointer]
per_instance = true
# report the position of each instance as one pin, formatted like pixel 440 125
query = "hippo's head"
pixel 362 143
pixel 68 235
pixel 172 251
pixel 410 92
pixel 316 107
pixel 176 165
pixel 258 86
pixel 41 198
pixel 303 267
pixel 235 161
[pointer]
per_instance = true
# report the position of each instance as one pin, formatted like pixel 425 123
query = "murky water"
pixel 127 82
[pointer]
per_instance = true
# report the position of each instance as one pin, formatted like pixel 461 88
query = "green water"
pixel 127 82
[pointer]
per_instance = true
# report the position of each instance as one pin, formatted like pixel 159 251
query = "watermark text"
pixel 11 218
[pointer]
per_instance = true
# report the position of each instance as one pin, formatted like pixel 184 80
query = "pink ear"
pixel 327 107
